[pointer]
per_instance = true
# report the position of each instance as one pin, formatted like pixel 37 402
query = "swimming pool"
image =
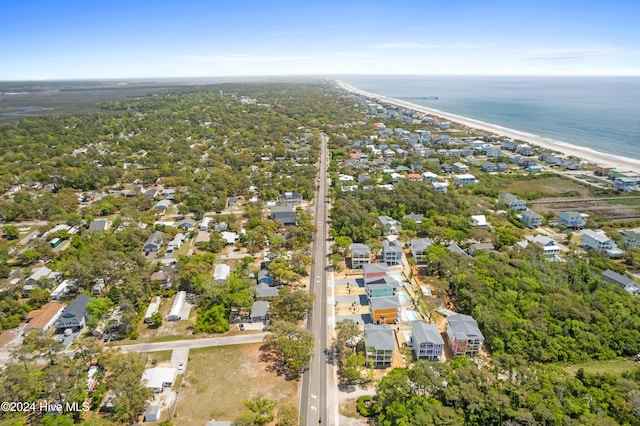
pixel 403 297
pixel 408 315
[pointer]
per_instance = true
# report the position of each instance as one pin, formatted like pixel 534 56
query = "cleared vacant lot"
pixel 218 379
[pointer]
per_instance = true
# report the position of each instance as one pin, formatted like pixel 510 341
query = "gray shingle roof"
pixel 464 327
pixel 379 337
pixel 384 302
pixel 426 333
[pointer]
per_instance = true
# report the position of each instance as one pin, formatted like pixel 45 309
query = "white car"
pixel 181 366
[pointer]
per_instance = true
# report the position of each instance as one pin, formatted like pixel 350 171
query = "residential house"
pixel 441 187
pixel 625 184
pixel 465 338
pixel 60 290
pixel 479 221
pixel 162 205
pixel 290 198
pixel 264 276
pixel 154 242
pixel 447 168
pixel 221 272
pixel 549 246
pixel 384 310
pixel 265 292
pixel 480 246
pixel 42 272
pixel 612 277
pixel 391 252
pixel 379 344
pixel 360 255
pixel 598 241
pixel 99 225
pixel 414 177
pixel 98 287
pixel 429 176
pixel 454 248
pixel 284 214
pixel 630 239
pixel 427 341
pixel 530 219
pixel 602 170
pixel 160 276
pixel 388 225
pixel 229 237
pixel 374 270
pixel 220 227
pixel 533 169
pixel 417 218
pixel 186 224
pixel 259 311
pixel 153 307
pixel 176 243
pixel 512 202
pixel 460 168
pixel 43 319
pixel 380 286
pixel 418 248
pixel 176 308
pixel 573 219
pixel 75 315
pixel 502 167
pixel 158 378
pixel 488 167
pixel 152 193
pixel 204 225
pixel 464 179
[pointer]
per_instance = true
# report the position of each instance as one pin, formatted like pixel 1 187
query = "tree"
pixel 291 345
pixel 216 242
pixel 97 309
pixel 288 415
pixel 292 305
pixel 261 411
pixel 124 380
pixel 11 232
pixel 155 320
pixel 281 270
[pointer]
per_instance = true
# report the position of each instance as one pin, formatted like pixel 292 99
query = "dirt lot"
pixel 218 379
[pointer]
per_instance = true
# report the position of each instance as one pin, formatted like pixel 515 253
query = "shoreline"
pixel 588 155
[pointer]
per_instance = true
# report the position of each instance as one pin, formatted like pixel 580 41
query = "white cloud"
pixel 415 45
pixel 237 57
pixel 568 54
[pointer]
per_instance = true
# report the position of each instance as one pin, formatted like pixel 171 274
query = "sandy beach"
pixel 587 155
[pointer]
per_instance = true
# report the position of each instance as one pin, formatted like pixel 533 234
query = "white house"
pixel 573 219
pixel 464 179
pixel 479 221
pixel 158 378
pixel 176 308
pixel 598 240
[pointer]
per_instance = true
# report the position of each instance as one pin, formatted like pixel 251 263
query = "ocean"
pixel 598 113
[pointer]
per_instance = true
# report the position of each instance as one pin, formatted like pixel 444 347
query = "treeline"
pixel 462 393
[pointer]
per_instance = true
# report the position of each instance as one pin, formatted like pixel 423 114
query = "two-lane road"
pixel 313 394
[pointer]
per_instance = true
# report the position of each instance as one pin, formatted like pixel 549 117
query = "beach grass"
pixel 616 367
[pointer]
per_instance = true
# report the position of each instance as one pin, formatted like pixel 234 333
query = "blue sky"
pixel 67 39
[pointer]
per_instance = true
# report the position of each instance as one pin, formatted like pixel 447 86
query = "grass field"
pixel 613 367
pixel 218 379
pixel 549 185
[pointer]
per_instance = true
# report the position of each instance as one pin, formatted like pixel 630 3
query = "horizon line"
pixel 319 76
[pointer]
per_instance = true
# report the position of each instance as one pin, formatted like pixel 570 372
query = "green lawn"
pixel 613 367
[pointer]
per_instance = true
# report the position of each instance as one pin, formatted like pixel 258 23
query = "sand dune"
pixel 586 155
